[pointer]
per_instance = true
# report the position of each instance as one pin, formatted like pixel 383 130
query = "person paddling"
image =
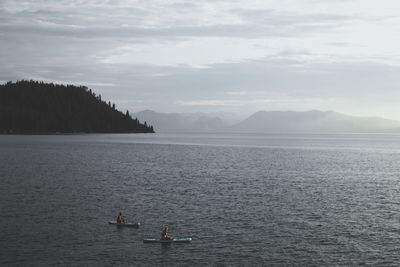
pixel 120 218
pixel 165 235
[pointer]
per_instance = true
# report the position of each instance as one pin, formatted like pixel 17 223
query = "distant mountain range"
pixel 313 121
pixel 187 122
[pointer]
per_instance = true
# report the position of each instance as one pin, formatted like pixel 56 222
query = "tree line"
pixel 34 107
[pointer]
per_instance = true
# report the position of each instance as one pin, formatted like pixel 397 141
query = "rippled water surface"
pixel 244 199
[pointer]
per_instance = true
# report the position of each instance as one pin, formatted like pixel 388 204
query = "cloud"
pixel 236 93
pixel 259 102
pixel 92 19
pixel 46 28
pixel 179 55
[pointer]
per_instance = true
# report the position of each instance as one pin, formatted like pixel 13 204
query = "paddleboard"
pixel 128 224
pixel 175 240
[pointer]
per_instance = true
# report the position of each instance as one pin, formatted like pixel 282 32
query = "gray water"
pixel 244 199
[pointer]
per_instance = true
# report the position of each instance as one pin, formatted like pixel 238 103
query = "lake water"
pixel 246 200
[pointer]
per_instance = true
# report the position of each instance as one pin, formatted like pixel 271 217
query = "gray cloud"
pixel 164 86
pixel 301 55
pixel 132 23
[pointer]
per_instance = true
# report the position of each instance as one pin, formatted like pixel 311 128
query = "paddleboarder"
pixel 120 218
pixel 165 235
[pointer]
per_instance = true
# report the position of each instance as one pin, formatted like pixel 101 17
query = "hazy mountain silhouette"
pixel 32 107
pixel 187 122
pixel 268 122
pixel 312 121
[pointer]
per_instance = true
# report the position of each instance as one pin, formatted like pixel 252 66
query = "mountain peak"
pixel 312 121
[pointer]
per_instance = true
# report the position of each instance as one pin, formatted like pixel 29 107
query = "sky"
pixel 212 56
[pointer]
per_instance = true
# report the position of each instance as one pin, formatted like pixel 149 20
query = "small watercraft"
pixel 128 224
pixel 174 240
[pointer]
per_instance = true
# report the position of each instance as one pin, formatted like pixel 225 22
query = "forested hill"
pixel 32 107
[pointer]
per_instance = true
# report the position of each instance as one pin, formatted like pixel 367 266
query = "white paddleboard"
pixel 175 240
pixel 128 224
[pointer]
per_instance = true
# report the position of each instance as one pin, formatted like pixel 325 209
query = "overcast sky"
pixel 212 55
